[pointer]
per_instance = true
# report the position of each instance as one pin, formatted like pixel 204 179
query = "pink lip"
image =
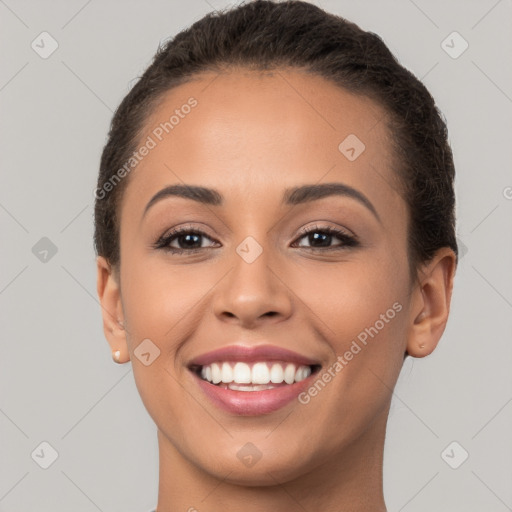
pixel 252 403
pixel 251 354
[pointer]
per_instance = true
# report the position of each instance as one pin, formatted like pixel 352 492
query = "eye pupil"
pixel 326 238
pixel 188 237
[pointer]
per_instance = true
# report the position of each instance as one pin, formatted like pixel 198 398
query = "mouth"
pixel 250 381
pixel 250 377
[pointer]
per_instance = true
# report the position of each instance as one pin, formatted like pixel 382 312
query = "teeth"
pixel 260 374
pixel 216 373
pixel 236 387
pixel 305 372
pixel 289 373
pixel 276 373
pixel 242 373
pixel 227 373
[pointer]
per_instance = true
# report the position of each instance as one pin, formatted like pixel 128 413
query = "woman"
pixel 275 234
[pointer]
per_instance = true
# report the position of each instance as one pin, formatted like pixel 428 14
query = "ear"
pixel 109 293
pixel 431 298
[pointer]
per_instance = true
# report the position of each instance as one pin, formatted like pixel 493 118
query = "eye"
pixel 181 240
pixel 322 237
pixel 187 240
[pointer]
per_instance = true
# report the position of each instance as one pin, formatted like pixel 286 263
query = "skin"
pixel 251 136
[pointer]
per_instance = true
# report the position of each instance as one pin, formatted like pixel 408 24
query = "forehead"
pixel 249 132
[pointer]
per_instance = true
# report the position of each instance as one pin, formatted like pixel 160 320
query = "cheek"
pixel 158 297
pixel 349 297
pixel 162 300
pixel 361 312
pixel 159 301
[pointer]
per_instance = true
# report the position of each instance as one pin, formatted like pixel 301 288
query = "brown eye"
pixel 183 240
pixel 322 238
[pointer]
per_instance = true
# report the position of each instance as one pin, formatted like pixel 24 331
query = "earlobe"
pixel 431 303
pixel 111 309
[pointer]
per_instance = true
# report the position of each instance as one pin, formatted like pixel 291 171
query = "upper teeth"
pixel 259 373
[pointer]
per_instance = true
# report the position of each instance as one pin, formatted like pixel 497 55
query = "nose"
pixel 253 293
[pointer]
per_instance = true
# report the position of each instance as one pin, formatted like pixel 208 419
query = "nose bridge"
pixel 252 291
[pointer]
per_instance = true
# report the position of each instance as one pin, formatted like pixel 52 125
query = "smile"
pixel 255 380
pixel 241 376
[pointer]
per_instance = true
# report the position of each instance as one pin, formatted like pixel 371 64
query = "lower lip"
pixel 252 403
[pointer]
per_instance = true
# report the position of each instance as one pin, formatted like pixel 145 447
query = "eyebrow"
pixel 292 196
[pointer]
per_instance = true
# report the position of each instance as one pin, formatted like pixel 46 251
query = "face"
pixel 274 260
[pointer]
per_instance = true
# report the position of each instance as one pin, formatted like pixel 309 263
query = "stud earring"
pixel 116 356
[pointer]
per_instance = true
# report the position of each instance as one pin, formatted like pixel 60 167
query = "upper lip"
pixel 252 354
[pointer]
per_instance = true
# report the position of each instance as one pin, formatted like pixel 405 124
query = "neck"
pixel 350 480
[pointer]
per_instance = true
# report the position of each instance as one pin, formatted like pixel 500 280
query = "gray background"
pixel 58 382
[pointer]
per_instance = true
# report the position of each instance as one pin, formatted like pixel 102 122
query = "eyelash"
pixel 346 239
